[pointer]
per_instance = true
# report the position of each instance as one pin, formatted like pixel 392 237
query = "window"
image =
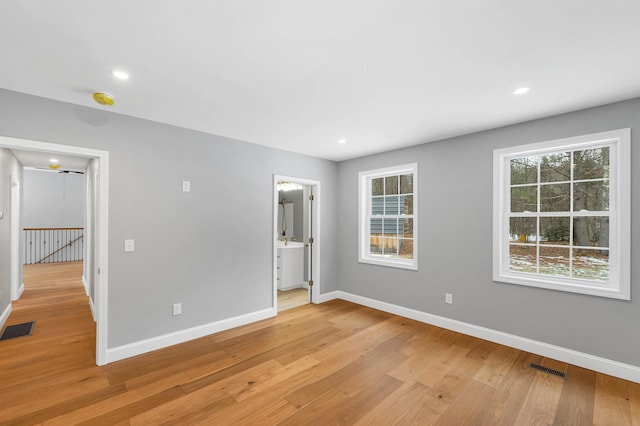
pixel 389 217
pixel 562 214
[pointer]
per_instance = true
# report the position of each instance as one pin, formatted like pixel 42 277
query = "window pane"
pixel 555 167
pixel 591 163
pixel 391 185
pixel 405 248
pixel 406 184
pixel 524 198
pixel 377 205
pixel 554 230
pixel 407 228
pixel 390 246
pixel 591 264
pixel 376 227
pixel 591 231
pixel 555 198
pixel 377 186
pixel 522 258
pixel 406 204
pixel 390 227
pixel 591 196
pixel 524 170
pixel 375 245
pixel 522 229
pixel 391 205
pixel 554 261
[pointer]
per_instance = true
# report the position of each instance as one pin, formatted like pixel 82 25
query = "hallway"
pixel 30 377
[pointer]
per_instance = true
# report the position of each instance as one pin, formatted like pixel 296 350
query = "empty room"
pixel 296 212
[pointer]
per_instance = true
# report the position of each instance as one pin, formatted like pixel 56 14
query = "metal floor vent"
pixel 549 370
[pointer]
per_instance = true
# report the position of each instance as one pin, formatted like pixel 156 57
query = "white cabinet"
pixel 290 267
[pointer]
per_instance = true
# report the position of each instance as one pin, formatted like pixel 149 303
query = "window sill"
pixel 571 286
pixel 389 263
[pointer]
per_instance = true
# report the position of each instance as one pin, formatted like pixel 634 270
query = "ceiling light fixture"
pixel 120 75
pixel 288 186
pixel 103 98
pixel 342 141
pixel 521 91
pixel 53 160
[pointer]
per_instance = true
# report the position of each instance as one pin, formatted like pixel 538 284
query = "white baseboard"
pixel 325 297
pixel 20 290
pixel 86 288
pixel 93 309
pixel 148 345
pixel 581 359
pixel 5 315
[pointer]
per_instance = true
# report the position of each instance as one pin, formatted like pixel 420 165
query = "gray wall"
pixel 10 171
pixel 455 242
pixel 186 249
pixel 53 200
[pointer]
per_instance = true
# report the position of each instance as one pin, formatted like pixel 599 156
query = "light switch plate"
pixel 129 245
pixel 186 186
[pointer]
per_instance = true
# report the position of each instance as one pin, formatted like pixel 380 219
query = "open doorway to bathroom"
pixel 296 244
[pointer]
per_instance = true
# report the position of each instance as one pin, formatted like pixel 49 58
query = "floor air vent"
pixel 549 370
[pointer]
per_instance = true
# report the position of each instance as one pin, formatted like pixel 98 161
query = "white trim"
pixel 5 315
pixel 93 309
pixel 102 234
pixel 85 285
pixel 15 252
pixel 619 286
pixel 581 359
pixel 317 222
pixel 20 290
pixel 364 197
pixel 170 339
pixel 325 297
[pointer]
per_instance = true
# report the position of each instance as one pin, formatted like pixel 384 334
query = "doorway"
pixel 98 250
pixel 296 242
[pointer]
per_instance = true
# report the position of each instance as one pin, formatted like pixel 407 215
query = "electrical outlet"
pixel 177 308
pixel 448 298
pixel 186 186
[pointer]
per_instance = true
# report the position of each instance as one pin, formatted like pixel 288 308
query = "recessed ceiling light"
pixel 120 75
pixel 521 90
pixel 342 141
pixel 53 160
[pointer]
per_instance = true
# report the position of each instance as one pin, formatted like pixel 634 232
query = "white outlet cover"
pixel 129 245
pixel 186 186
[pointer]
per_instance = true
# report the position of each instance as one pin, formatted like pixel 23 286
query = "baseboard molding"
pixel 155 343
pixel 20 291
pixel 92 306
pixel 86 288
pixel 581 359
pixel 5 315
pixel 325 297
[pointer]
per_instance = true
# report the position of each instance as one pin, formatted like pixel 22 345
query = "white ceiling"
pixel 40 160
pixel 301 74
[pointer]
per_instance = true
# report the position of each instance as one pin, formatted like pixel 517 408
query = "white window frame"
pixel 619 283
pixel 364 254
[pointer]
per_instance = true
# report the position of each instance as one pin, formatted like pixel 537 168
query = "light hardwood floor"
pixel 335 363
pixel 292 298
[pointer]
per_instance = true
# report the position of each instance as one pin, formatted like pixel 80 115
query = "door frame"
pixel 101 242
pixel 316 219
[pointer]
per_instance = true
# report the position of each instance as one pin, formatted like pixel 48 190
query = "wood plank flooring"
pixel 292 298
pixel 330 364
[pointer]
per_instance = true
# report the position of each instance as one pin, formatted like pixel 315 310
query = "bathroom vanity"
pixel 290 265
